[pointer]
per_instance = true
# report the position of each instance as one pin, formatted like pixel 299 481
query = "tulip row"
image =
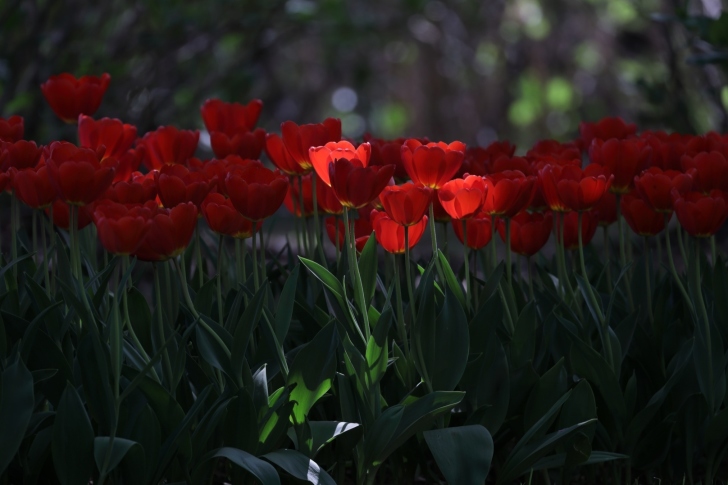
pixel 145 195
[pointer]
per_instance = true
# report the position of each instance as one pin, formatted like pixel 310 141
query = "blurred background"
pixel 521 70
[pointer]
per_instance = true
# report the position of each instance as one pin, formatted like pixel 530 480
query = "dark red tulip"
pixel 463 198
pixel 479 160
pixel 569 188
pixel 19 155
pixel 606 209
pixel 529 232
pixel 176 184
pixel 322 156
pixel 62 216
pixel 121 229
pixel 69 97
pixel 709 171
pixel 479 231
pixel 655 187
pixel 643 220
pixel 509 192
pixel 168 146
pixel 505 164
pixel 362 229
pixel 327 200
pixel 278 154
pixel 298 139
pixel 246 145
pixel 571 225
pixel 624 159
pixel 605 129
pixel 388 152
pixel 667 149
pixel 255 191
pixel 140 189
pixel 297 189
pixel 114 135
pixel 406 204
pixel 356 185
pixel 216 170
pixel 390 234
pixel 129 163
pixel 701 215
pixel 12 129
pixel 554 149
pixel 230 118
pixel 710 142
pixel 170 232
pixel 32 186
pixel 77 174
pixel 223 218
pixel 432 164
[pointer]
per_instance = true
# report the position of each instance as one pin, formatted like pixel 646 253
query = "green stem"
pixel 401 329
pixel 509 269
pixel 54 248
pixel 713 251
pixel 565 273
pixel 14 235
pixel 303 218
pixel 263 266
pixel 316 225
pixel 128 325
pixel 492 244
pixel 408 274
pixel 198 256
pixel 166 362
pixel 46 271
pixel 623 250
pixel 607 258
pixel 338 241
pixel 466 250
pixel 256 279
pixel 354 273
pixel 648 278
pixel 445 247
pixel 697 283
pixel 220 318
pixel 530 278
pixel 34 223
pixel 681 244
pixel 673 270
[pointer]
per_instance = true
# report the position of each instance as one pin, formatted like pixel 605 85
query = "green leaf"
pixel 559 460
pixel 452 281
pixel 244 331
pixel 260 469
pixel 445 346
pixel 284 311
pixel 523 345
pixel 93 360
pixel 16 408
pixel 300 466
pixel 205 297
pixel 549 388
pixel 73 440
pixel 463 454
pixel 120 448
pixel 377 355
pixel 312 371
pixel 580 407
pixel 368 269
pixel 324 432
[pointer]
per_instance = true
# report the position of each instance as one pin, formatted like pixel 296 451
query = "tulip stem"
pixel 713 250
pixel 530 278
pixel 509 269
pixel 316 226
pixel 263 267
pixel 355 275
pixel 681 245
pixel 303 237
pixel 256 280
pixel 623 250
pixel 607 259
pixel 697 284
pixel 603 323
pixel 52 230
pixel 127 320
pixel 468 288
pixel 219 280
pixel 492 244
pixel 14 235
pixel 401 329
pixel 35 236
pixel 408 274
pixel 673 270
pixel 445 248
pixel 433 235
pixel 166 362
pixel 46 271
pixel 648 278
pixel 198 256
pixel 564 272
pixel 338 241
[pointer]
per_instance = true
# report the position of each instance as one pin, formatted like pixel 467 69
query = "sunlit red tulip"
pixel 433 164
pixel 69 97
pixel 643 220
pixel 438 211
pixel 61 214
pixel 390 235
pixel 278 154
pixel 509 192
pixel 77 174
pixel 701 215
pixel 479 230
pixel 230 118
pixel 529 232
pixel 176 184
pixel 12 129
pixel 569 188
pixel 407 203
pixel 223 218
pixel 362 229
pixel 655 187
pixel 605 129
pixel 356 185
pixel 170 232
pixel 301 189
pixel 463 198
pixel 298 139
pixel 624 159
pixel 32 186
pixel 709 171
pixel 255 191
pixel 121 229
pixel 168 145
pixel 322 156
pixel 571 225
pixel 114 135
pixel 20 154
pixel 140 189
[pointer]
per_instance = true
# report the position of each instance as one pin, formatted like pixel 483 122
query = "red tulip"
pixel 121 229
pixel 438 211
pixel 20 154
pixel 278 154
pixel 362 229
pixel 479 160
pixel 129 163
pixel 708 170
pixel 606 209
pixel 61 215
pixel 176 184
pixel 710 142
pixel 170 232
pixel 322 156
pixel 114 135
pixel 643 220
pixel 569 188
pixel 387 152
pixel 223 218
pixel 246 145
pixel 11 129
pixel 216 170
pixel 554 149
pixel 230 118
pixel 168 146
pixel 529 232
pixel 479 231
pixel 701 215
pixel 327 200
pixel 509 193
pixel 463 198
pixel 605 129
pixel 255 191
pixel 298 188
pixel 356 185
pixel 32 186
pixel 624 159
pixel 571 224
pixel 655 187
pixel 140 189
pixel 390 234
pixel 77 174
pixel 406 204
pixel 433 164
pixel 509 164
pixel 667 149
pixel 69 97
pixel 298 139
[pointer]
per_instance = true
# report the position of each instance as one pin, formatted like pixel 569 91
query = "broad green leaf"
pixel 452 281
pixel 549 388
pixel 284 311
pixel 558 460
pixel 244 331
pixel 16 408
pixel 324 432
pixel 73 440
pixel 260 469
pixel 368 268
pixel 463 454
pixel 523 345
pixel 115 450
pixel 300 466
pixel 581 406
pixel 446 345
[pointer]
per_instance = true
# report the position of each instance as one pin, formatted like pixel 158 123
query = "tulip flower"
pixel 355 184
pixel 121 229
pixel 655 187
pixel 463 198
pixel 176 184
pixel 298 139
pixel 223 218
pixel 642 218
pixel 479 160
pixel 168 146
pixel 667 149
pixel 529 232
pixel 278 154
pixel 140 189
pixel 115 136
pixel 568 188
pixel 624 159
pixel 230 118
pixel 509 193
pixel 701 215
pixel 555 150
pixel 388 152
pixel 69 97
pixel 170 232
pixel 478 229
pixel 32 186
pixel 20 154
pixel 391 235
pixel 571 233
pixel 62 214
pixel 246 145
pixel 300 190
pixel 322 156
pixel 432 164
pixel 255 191
pixel 605 129
pixel 709 171
pixel 12 129
pixel 77 174
pixel 327 200
pixel 406 204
